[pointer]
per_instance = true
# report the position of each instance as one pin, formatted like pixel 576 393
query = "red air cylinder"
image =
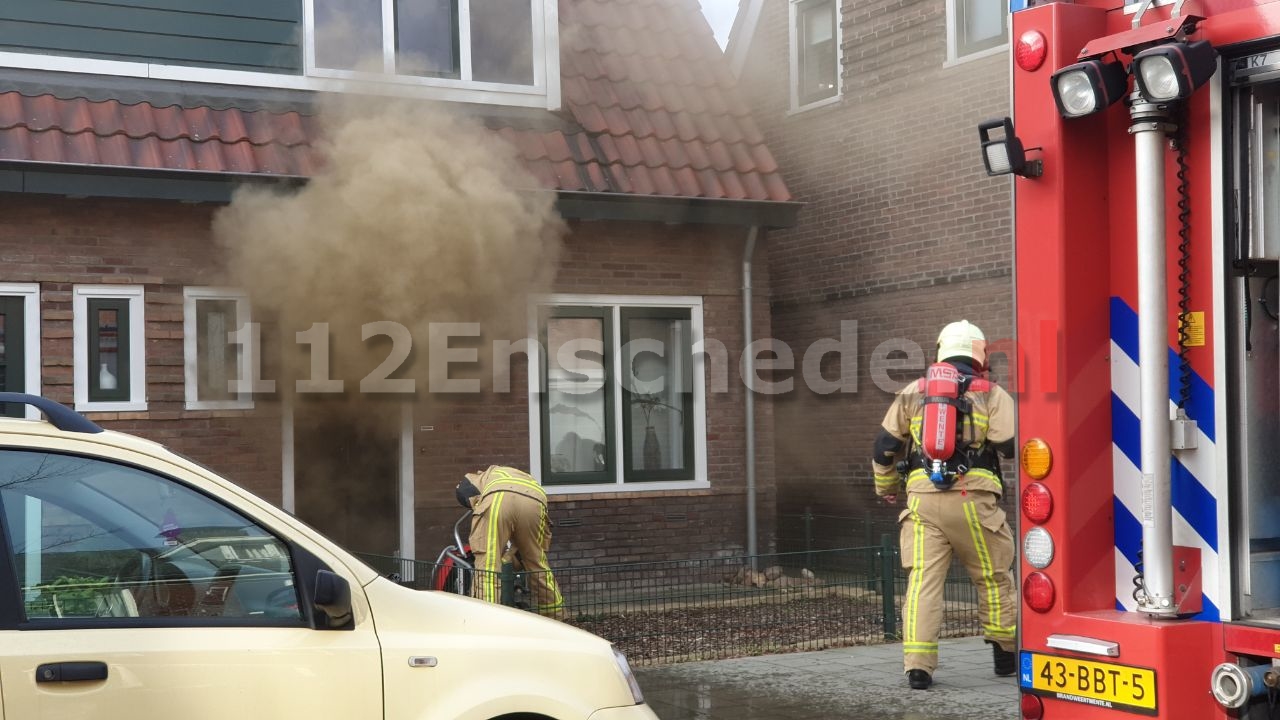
pixel 938 426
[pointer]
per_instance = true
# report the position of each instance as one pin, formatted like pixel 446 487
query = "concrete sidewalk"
pixel 857 683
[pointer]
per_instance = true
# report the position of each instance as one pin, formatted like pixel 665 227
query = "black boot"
pixel 919 679
pixel 1003 660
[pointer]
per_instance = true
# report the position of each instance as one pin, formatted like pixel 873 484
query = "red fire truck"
pixel 1145 144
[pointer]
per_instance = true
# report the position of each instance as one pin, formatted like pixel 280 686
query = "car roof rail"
pixel 62 417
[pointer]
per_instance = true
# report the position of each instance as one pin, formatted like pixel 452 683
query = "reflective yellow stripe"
pixel 918 476
pixel 984 474
pixel 920 647
pixel 984 560
pixel 886 481
pixel 557 601
pixel 1000 631
pixel 912 611
pixel 497 485
pixel 487 579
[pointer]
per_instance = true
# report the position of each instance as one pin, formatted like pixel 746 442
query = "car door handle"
pixel 71 672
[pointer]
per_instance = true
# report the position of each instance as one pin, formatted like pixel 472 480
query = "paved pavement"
pixel 858 683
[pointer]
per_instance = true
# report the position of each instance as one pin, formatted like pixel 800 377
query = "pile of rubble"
pixel 772 578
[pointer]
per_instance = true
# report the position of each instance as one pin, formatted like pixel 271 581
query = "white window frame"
pixel 30 294
pixel 135 294
pixel 190 347
pixel 615 303
pixel 953 44
pixel 544 93
pixel 793 34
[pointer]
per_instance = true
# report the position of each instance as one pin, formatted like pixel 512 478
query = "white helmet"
pixel 963 339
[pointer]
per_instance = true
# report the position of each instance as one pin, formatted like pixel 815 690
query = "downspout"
pixel 1149 127
pixel 748 253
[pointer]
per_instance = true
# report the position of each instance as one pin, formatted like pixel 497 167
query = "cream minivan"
pixel 138 585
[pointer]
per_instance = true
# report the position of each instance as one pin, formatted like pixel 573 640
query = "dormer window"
pixel 472 41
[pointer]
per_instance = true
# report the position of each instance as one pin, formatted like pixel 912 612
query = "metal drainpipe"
pixel 748 253
pixel 1150 127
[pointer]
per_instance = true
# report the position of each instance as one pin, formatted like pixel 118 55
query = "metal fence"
pixel 710 608
pixel 816 531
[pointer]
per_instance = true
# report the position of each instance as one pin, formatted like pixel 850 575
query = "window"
pixel 19 344
pixel 815 52
pixel 473 41
pixel 214 363
pixel 974 26
pixel 110 362
pixel 90 539
pixel 618 393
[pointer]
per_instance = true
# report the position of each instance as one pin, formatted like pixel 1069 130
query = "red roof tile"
pixel 652 107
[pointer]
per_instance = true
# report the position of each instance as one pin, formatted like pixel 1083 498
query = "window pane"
pixel 502 41
pixel 217 360
pixel 12 352
pixel 576 419
pixel 108 370
pixel 348 33
pixel 4 355
pixel 818 53
pixel 95 539
pixel 659 385
pixel 982 25
pixel 426 38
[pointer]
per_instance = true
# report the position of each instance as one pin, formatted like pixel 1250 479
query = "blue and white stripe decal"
pixel 1195 517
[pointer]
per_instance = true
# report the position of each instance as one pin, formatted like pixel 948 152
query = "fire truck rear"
pixel 1145 149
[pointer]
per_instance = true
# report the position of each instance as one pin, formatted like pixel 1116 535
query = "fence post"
pixel 507 581
pixel 808 537
pixel 887 590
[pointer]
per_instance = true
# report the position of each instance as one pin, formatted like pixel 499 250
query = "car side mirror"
pixel 332 597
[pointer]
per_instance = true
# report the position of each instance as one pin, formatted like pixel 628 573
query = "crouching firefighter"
pixel 943 432
pixel 508 505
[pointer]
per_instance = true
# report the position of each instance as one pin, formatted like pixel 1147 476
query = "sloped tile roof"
pixel 649 108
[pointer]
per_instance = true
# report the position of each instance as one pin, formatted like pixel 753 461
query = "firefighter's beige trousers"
pixel 522 520
pixel 972 526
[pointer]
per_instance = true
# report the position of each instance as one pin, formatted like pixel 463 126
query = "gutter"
pixel 95 180
pixel 749 399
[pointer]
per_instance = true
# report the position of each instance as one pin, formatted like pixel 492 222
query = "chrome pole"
pixel 1150 127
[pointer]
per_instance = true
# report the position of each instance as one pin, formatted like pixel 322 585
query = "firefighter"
pixel 508 505
pixel 955 510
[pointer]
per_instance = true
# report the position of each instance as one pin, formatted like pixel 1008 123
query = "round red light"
pixel 1037 592
pixel 1037 502
pixel 1031 50
pixel 1032 707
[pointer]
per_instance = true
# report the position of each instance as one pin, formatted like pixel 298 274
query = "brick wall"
pixel 902 231
pixel 627 259
pixel 59 242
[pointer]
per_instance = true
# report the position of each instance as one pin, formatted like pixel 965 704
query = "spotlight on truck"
pixel 1173 72
pixel 1088 87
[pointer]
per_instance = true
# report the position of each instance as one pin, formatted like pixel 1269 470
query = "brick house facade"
pixel 902 229
pixel 110 183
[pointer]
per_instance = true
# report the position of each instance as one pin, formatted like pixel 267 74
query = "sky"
pixel 720 14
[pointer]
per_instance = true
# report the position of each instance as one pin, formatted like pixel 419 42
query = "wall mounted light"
pixel 1004 155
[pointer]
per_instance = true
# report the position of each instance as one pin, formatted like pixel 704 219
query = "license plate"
pixel 1106 685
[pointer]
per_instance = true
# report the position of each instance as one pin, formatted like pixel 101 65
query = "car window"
pixel 95 539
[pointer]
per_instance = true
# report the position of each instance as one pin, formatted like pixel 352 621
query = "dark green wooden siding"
pixel 257 35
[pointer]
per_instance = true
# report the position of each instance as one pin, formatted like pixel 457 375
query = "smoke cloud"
pixel 415 216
